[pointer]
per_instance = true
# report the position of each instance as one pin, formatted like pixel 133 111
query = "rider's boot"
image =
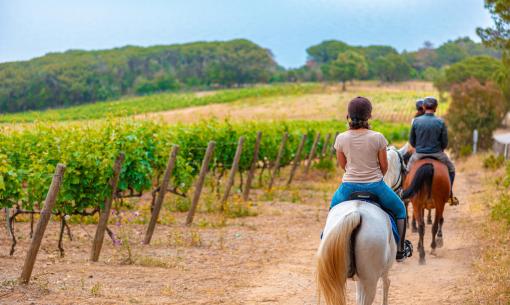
pixel 405 248
pixel 453 200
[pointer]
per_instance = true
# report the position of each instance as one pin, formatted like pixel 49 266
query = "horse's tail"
pixel 422 182
pixel 334 260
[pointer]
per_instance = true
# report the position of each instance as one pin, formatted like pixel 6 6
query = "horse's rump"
pixel 428 182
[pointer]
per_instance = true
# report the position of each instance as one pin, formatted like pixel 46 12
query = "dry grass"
pixel 490 283
pixel 392 103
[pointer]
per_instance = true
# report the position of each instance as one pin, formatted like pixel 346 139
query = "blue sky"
pixel 30 28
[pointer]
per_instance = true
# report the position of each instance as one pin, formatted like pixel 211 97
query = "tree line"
pixel 334 60
pixel 78 77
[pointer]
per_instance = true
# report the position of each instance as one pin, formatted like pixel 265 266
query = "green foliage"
pixel 348 66
pixel 499 36
pixel 77 77
pixel 392 67
pixel 28 156
pixel 501 210
pixel 482 68
pixel 327 51
pixel 493 162
pixel 474 106
pixel 155 103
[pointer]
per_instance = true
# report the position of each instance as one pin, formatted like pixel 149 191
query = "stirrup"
pixel 407 252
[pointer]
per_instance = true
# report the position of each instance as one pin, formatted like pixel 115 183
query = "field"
pixel 239 251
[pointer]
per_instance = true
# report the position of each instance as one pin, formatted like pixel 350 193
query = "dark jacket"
pixel 429 134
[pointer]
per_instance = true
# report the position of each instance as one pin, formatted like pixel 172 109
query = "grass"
pixel 155 103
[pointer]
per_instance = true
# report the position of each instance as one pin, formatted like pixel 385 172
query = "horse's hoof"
pixel 422 261
pixel 439 242
pixel 433 252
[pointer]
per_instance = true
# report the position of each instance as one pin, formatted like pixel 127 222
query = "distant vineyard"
pixel 28 157
pixel 157 102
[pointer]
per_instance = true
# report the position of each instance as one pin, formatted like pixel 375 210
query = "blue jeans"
pixel 387 197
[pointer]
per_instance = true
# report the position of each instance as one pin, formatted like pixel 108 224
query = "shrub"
pixel 493 162
pixel 474 106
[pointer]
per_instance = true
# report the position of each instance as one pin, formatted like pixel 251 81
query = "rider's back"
pixel 428 134
pixel 361 148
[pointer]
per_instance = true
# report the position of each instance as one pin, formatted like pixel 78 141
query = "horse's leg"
pixel 386 288
pixel 421 232
pixel 434 232
pixel 414 227
pixel 440 233
pixel 365 291
pixel 429 217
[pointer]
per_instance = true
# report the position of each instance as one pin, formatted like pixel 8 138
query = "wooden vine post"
pixel 233 170
pixel 278 158
pixel 97 244
pixel 35 244
pixel 297 159
pixel 312 153
pixel 325 146
pixel 253 167
pixel 161 194
pixel 200 182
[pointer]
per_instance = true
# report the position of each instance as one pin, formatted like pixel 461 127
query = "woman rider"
pixel 361 152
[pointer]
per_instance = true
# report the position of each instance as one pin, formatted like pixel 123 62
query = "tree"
pixel 481 68
pixel 474 106
pixel 499 37
pixel 392 67
pixel 349 65
pixel 327 51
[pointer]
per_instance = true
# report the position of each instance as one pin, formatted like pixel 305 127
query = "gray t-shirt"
pixel 361 148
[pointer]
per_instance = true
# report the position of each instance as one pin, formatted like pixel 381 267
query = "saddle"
pixel 372 199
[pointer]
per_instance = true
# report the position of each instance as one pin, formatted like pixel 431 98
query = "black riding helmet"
pixel 419 104
pixel 430 102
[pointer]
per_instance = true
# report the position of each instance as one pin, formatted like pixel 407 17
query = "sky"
pixel 31 28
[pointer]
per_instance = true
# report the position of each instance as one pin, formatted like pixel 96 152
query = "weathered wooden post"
pixel 325 146
pixel 35 244
pixel 200 182
pixel 312 153
pixel 253 167
pixel 233 170
pixel 97 244
pixel 278 158
pixel 297 159
pixel 161 194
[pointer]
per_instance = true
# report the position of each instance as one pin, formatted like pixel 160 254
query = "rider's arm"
pixel 383 161
pixel 342 160
pixel 412 136
pixel 444 137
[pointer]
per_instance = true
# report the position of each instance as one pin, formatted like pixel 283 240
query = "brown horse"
pixel 428 187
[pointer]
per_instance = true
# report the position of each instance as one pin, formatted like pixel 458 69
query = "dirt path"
pixel 268 259
pixel 441 281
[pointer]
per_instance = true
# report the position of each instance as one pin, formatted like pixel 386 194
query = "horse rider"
pixel 361 152
pixel 429 138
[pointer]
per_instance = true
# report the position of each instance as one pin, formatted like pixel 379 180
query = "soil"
pixel 266 259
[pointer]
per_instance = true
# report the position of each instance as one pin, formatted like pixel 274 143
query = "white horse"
pixel 374 252
pixel 394 177
pixel 374 245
